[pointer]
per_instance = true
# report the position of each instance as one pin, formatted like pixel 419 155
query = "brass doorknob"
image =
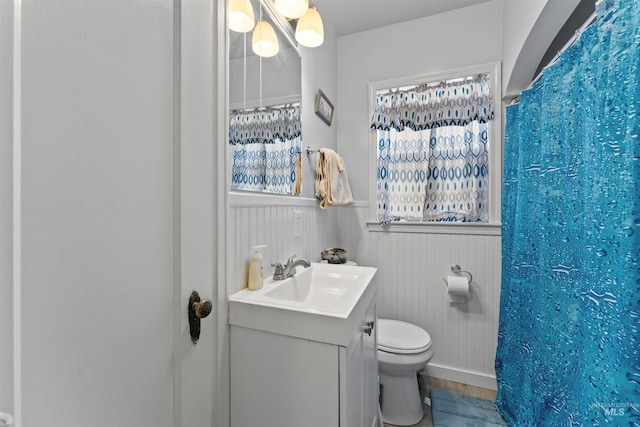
pixel 197 309
pixel 202 308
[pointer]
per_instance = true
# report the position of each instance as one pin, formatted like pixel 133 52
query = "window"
pixel 433 150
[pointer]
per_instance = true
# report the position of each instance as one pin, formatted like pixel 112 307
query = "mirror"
pixel 264 109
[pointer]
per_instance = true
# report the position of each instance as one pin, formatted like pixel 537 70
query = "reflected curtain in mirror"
pixel 265 148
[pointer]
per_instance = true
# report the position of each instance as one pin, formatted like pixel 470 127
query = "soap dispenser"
pixel 255 276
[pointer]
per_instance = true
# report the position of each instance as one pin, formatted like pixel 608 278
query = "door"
pixel 105 219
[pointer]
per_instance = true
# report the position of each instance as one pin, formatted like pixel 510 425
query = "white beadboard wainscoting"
pixel 256 219
pixel 411 266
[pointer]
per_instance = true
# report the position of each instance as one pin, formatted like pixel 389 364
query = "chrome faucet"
pixel 285 271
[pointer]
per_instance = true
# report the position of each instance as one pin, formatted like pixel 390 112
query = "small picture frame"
pixel 324 107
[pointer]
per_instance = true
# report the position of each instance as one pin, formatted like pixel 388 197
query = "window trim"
pixel 495 150
pixel 433 227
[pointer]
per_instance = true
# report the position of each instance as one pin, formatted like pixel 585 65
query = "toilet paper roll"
pixel 458 288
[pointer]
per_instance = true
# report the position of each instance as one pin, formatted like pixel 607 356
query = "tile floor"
pixel 427 383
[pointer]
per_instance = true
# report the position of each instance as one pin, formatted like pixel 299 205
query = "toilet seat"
pixel 396 336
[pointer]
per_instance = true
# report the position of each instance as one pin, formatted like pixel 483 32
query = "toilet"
pixel 403 350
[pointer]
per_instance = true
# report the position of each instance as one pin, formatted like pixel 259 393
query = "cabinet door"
pixel 352 371
pixel 359 376
pixel 280 381
pixel 370 370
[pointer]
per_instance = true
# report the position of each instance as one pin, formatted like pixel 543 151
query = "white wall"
pixel 529 28
pixel 319 67
pixel 411 266
pixel 518 20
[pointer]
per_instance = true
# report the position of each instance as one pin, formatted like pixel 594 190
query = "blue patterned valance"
pixel 264 125
pixel 433 106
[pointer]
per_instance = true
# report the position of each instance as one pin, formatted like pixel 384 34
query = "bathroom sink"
pixel 316 303
pixel 319 286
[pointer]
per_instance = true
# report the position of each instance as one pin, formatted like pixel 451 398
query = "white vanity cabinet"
pixel 282 375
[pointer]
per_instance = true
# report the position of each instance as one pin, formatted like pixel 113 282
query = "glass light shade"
pixel 264 41
pixel 241 18
pixel 309 31
pixel 293 9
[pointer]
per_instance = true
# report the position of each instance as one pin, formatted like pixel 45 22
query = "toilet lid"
pixel 396 336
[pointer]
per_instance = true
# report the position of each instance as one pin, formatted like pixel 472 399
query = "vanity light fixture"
pixel 292 9
pixel 310 31
pixel 264 41
pixel 241 17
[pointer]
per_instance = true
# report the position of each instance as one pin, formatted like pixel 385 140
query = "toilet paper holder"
pixel 458 270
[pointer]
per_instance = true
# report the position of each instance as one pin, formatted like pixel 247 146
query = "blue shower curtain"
pixel 569 341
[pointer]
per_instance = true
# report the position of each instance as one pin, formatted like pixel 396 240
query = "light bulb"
pixel 241 18
pixel 264 41
pixel 293 9
pixel 309 31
